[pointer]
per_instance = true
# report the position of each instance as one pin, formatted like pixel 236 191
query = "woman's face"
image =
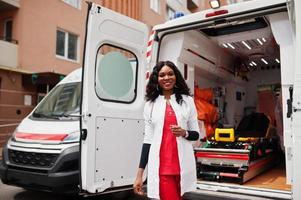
pixel 166 78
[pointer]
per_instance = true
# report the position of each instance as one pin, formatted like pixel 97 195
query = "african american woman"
pixel 170 126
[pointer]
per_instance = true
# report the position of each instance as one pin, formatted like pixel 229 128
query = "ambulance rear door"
pixel 296 107
pixel 112 102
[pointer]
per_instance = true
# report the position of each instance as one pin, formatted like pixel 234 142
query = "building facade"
pixel 42 41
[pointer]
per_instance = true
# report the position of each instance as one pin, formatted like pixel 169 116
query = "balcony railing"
pixel 9 52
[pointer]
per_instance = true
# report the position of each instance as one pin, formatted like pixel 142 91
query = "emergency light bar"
pixel 216 13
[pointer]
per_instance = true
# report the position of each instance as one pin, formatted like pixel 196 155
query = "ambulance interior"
pixel 234 71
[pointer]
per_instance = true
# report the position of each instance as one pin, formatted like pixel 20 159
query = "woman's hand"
pixel 178 131
pixel 139 183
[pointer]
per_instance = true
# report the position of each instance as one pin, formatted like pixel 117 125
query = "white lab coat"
pixel 186 114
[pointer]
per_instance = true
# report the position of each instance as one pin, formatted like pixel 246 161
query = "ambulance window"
pixel 116 74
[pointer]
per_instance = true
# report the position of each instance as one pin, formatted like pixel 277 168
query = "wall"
pixel 131 8
pixel 178 5
pixel 150 17
pixel 12 94
pixel 12 107
pixel 37 33
pixel 235 107
pixel 37 36
pixel 262 77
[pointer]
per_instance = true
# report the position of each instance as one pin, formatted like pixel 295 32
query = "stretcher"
pixel 241 154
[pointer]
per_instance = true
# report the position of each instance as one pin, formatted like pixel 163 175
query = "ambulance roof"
pixel 231 9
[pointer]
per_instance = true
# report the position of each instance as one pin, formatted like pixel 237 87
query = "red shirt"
pixel 169 158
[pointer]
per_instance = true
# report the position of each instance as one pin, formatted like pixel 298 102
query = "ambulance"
pixel 240 51
pixel 43 152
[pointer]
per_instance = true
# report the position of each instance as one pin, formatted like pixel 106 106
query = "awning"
pixel 18 70
pixel 39 78
pixel 36 78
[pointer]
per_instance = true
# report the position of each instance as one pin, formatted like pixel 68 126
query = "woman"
pixel 170 124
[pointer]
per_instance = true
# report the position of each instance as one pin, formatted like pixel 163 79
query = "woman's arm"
pixel 144 155
pixel 143 162
pixel 192 135
pixel 139 182
pixel 189 135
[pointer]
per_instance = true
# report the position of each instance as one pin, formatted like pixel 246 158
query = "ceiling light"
pixel 246 45
pixel 263 39
pixel 259 41
pixel 251 64
pixel 214 4
pixel 254 63
pixel 263 60
pixel 225 45
pixel 230 45
pixel 277 60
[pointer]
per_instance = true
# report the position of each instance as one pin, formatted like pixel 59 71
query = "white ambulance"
pixel 240 48
pixel 43 153
pixel 206 46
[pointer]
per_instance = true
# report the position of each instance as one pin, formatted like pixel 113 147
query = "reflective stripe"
pixel 40 136
pixel 223 156
pixel 150 46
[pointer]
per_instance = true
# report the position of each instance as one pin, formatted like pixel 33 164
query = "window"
pixel 74 3
pixel 66 45
pixel 170 13
pixel 8 30
pixel 116 74
pixel 155 5
pixel 64 99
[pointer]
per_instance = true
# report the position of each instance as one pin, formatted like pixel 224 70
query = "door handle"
pixel 290 103
pixel 84 134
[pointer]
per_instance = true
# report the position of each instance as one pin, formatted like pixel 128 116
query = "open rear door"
pixel 113 98
pixel 283 34
pixel 296 116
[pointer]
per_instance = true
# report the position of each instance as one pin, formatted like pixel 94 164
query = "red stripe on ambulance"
pixel 41 136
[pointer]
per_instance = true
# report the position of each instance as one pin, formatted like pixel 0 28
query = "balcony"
pixel 9 53
pixel 6 5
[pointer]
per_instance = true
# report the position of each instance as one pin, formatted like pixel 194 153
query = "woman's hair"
pixel 153 89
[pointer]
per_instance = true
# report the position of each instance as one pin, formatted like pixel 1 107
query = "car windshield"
pixel 62 102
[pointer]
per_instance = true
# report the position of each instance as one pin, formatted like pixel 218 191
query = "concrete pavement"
pixel 15 193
